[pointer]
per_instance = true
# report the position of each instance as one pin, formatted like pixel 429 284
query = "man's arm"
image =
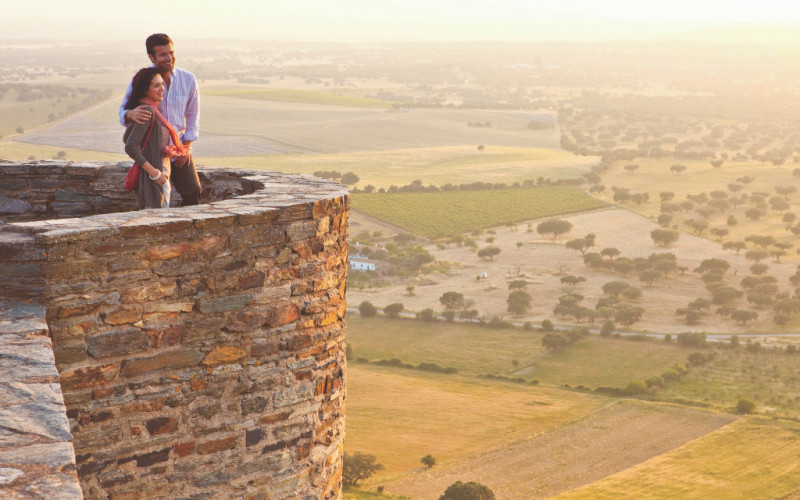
pixel 192 114
pixel 139 115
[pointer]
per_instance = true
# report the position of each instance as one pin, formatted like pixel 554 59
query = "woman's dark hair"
pixel 139 85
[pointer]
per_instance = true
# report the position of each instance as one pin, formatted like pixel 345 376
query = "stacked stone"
pixel 55 190
pixel 201 350
pixel 36 455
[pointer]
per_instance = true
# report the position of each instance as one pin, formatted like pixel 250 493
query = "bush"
pixel 497 322
pixel 608 328
pixel 367 310
pixel 692 339
pixel 700 358
pixel 634 387
pixel 674 372
pixel 555 341
pixel 467 491
pixel 426 314
pixel 654 382
pixel 393 310
pixel 745 406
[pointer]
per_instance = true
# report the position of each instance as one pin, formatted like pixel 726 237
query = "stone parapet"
pixel 36 455
pixel 200 350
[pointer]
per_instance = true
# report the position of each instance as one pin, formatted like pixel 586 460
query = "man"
pixel 181 108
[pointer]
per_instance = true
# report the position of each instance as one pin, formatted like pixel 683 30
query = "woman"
pixel 148 144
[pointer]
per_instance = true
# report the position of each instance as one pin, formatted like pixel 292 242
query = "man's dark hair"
pixel 139 85
pixel 156 40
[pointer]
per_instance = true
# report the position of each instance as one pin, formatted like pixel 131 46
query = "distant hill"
pixel 779 36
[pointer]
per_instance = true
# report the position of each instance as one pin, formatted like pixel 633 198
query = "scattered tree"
pixel 489 251
pixel 555 227
pixel 572 280
pixel 428 461
pixel 518 302
pixel 451 300
pixel 736 246
pixel 629 315
pixel 581 244
pixel 610 252
pixel 664 237
pixel 744 316
pixel 518 285
pixel 359 466
pixel 678 168
pixel 467 491
pixel 350 178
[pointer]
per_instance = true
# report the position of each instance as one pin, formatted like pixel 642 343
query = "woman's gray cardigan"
pixel 149 193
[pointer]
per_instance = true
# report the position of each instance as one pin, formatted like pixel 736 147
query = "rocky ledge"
pixel 36 455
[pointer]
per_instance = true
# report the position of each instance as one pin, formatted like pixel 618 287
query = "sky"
pixel 384 20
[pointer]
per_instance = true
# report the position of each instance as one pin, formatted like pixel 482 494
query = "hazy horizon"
pixel 391 20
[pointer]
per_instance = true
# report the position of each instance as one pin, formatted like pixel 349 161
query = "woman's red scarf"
pixel 177 148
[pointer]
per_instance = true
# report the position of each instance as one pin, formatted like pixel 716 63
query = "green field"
pixel 34 110
pixel 437 165
pixel 751 458
pixel 435 215
pixel 396 413
pixel 303 97
pixel 475 350
pixel 770 379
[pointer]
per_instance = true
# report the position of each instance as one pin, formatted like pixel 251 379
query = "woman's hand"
pixel 162 179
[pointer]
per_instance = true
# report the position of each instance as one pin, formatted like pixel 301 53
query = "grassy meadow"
pixel 402 415
pixel 437 165
pixel 771 379
pixel 397 414
pixel 439 214
pixel 475 350
pixel 34 112
pixel 752 458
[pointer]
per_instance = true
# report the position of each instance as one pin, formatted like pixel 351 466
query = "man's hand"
pixel 184 160
pixel 138 115
pixel 181 161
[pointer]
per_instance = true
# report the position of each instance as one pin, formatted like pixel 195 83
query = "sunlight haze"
pixel 389 20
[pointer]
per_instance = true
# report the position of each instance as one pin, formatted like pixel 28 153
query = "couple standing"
pixel 160 110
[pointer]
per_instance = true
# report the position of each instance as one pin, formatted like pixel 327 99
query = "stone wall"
pixel 200 350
